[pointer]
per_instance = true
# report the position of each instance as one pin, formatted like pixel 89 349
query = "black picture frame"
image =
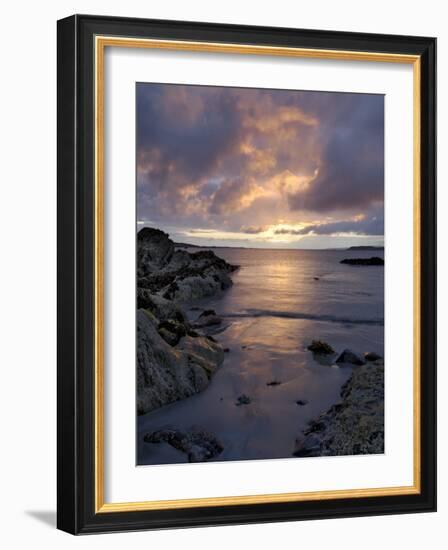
pixel 76 286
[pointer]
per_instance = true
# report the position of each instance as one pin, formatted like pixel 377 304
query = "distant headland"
pixel 364 247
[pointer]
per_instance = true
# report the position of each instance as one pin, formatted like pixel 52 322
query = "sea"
pixel 280 301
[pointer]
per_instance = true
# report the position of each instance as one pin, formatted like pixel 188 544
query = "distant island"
pixel 364 247
pixel 356 248
pixel 363 261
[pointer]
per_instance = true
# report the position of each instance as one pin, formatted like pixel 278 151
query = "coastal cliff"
pixel 174 359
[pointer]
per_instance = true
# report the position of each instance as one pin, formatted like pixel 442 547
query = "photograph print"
pixel 260 274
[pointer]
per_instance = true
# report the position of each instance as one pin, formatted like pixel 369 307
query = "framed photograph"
pixel 246 274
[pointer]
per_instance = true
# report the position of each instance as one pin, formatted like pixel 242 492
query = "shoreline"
pixel 242 414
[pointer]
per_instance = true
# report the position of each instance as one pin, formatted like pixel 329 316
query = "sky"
pixel 220 166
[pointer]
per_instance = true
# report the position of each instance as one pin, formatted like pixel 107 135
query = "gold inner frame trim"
pixel 101 42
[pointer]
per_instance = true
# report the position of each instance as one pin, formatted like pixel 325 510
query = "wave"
pixel 302 315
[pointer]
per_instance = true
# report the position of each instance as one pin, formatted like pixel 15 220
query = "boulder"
pixel 301 402
pixel 154 250
pixel 165 373
pixel 198 445
pixel 322 348
pixel 243 400
pixel 172 331
pixel 306 446
pixel 348 357
pixel 169 337
pixel 207 318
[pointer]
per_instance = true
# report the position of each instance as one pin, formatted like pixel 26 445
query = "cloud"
pixel 228 158
pixel 351 171
pixel 234 195
pixel 253 230
pixel 373 225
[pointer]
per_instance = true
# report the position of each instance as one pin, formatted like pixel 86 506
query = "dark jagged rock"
pixel 243 400
pixel 301 402
pixel 160 307
pixel 207 256
pixel 354 425
pixel 207 318
pixel 198 445
pixel 176 274
pixel 375 260
pixel 207 313
pixel 172 331
pixel 155 282
pixel 166 373
pixel 174 360
pixel 322 348
pixel 170 337
pixel 154 250
pixel 372 356
pixel 348 357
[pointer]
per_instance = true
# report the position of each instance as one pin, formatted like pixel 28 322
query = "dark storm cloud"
pixel 351 174
pixel 189 132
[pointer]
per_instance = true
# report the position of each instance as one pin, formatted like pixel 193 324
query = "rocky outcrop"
pixel 174 359
pixel 172 331
pixel 166 373
pixel 372 356
pixel 243 399
pixel 321 348
pixel 175 274
pixel 198 445
pixel 348 357
pixel 354 425
pixel 207 318
pixel 160 307
pixel 363 261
